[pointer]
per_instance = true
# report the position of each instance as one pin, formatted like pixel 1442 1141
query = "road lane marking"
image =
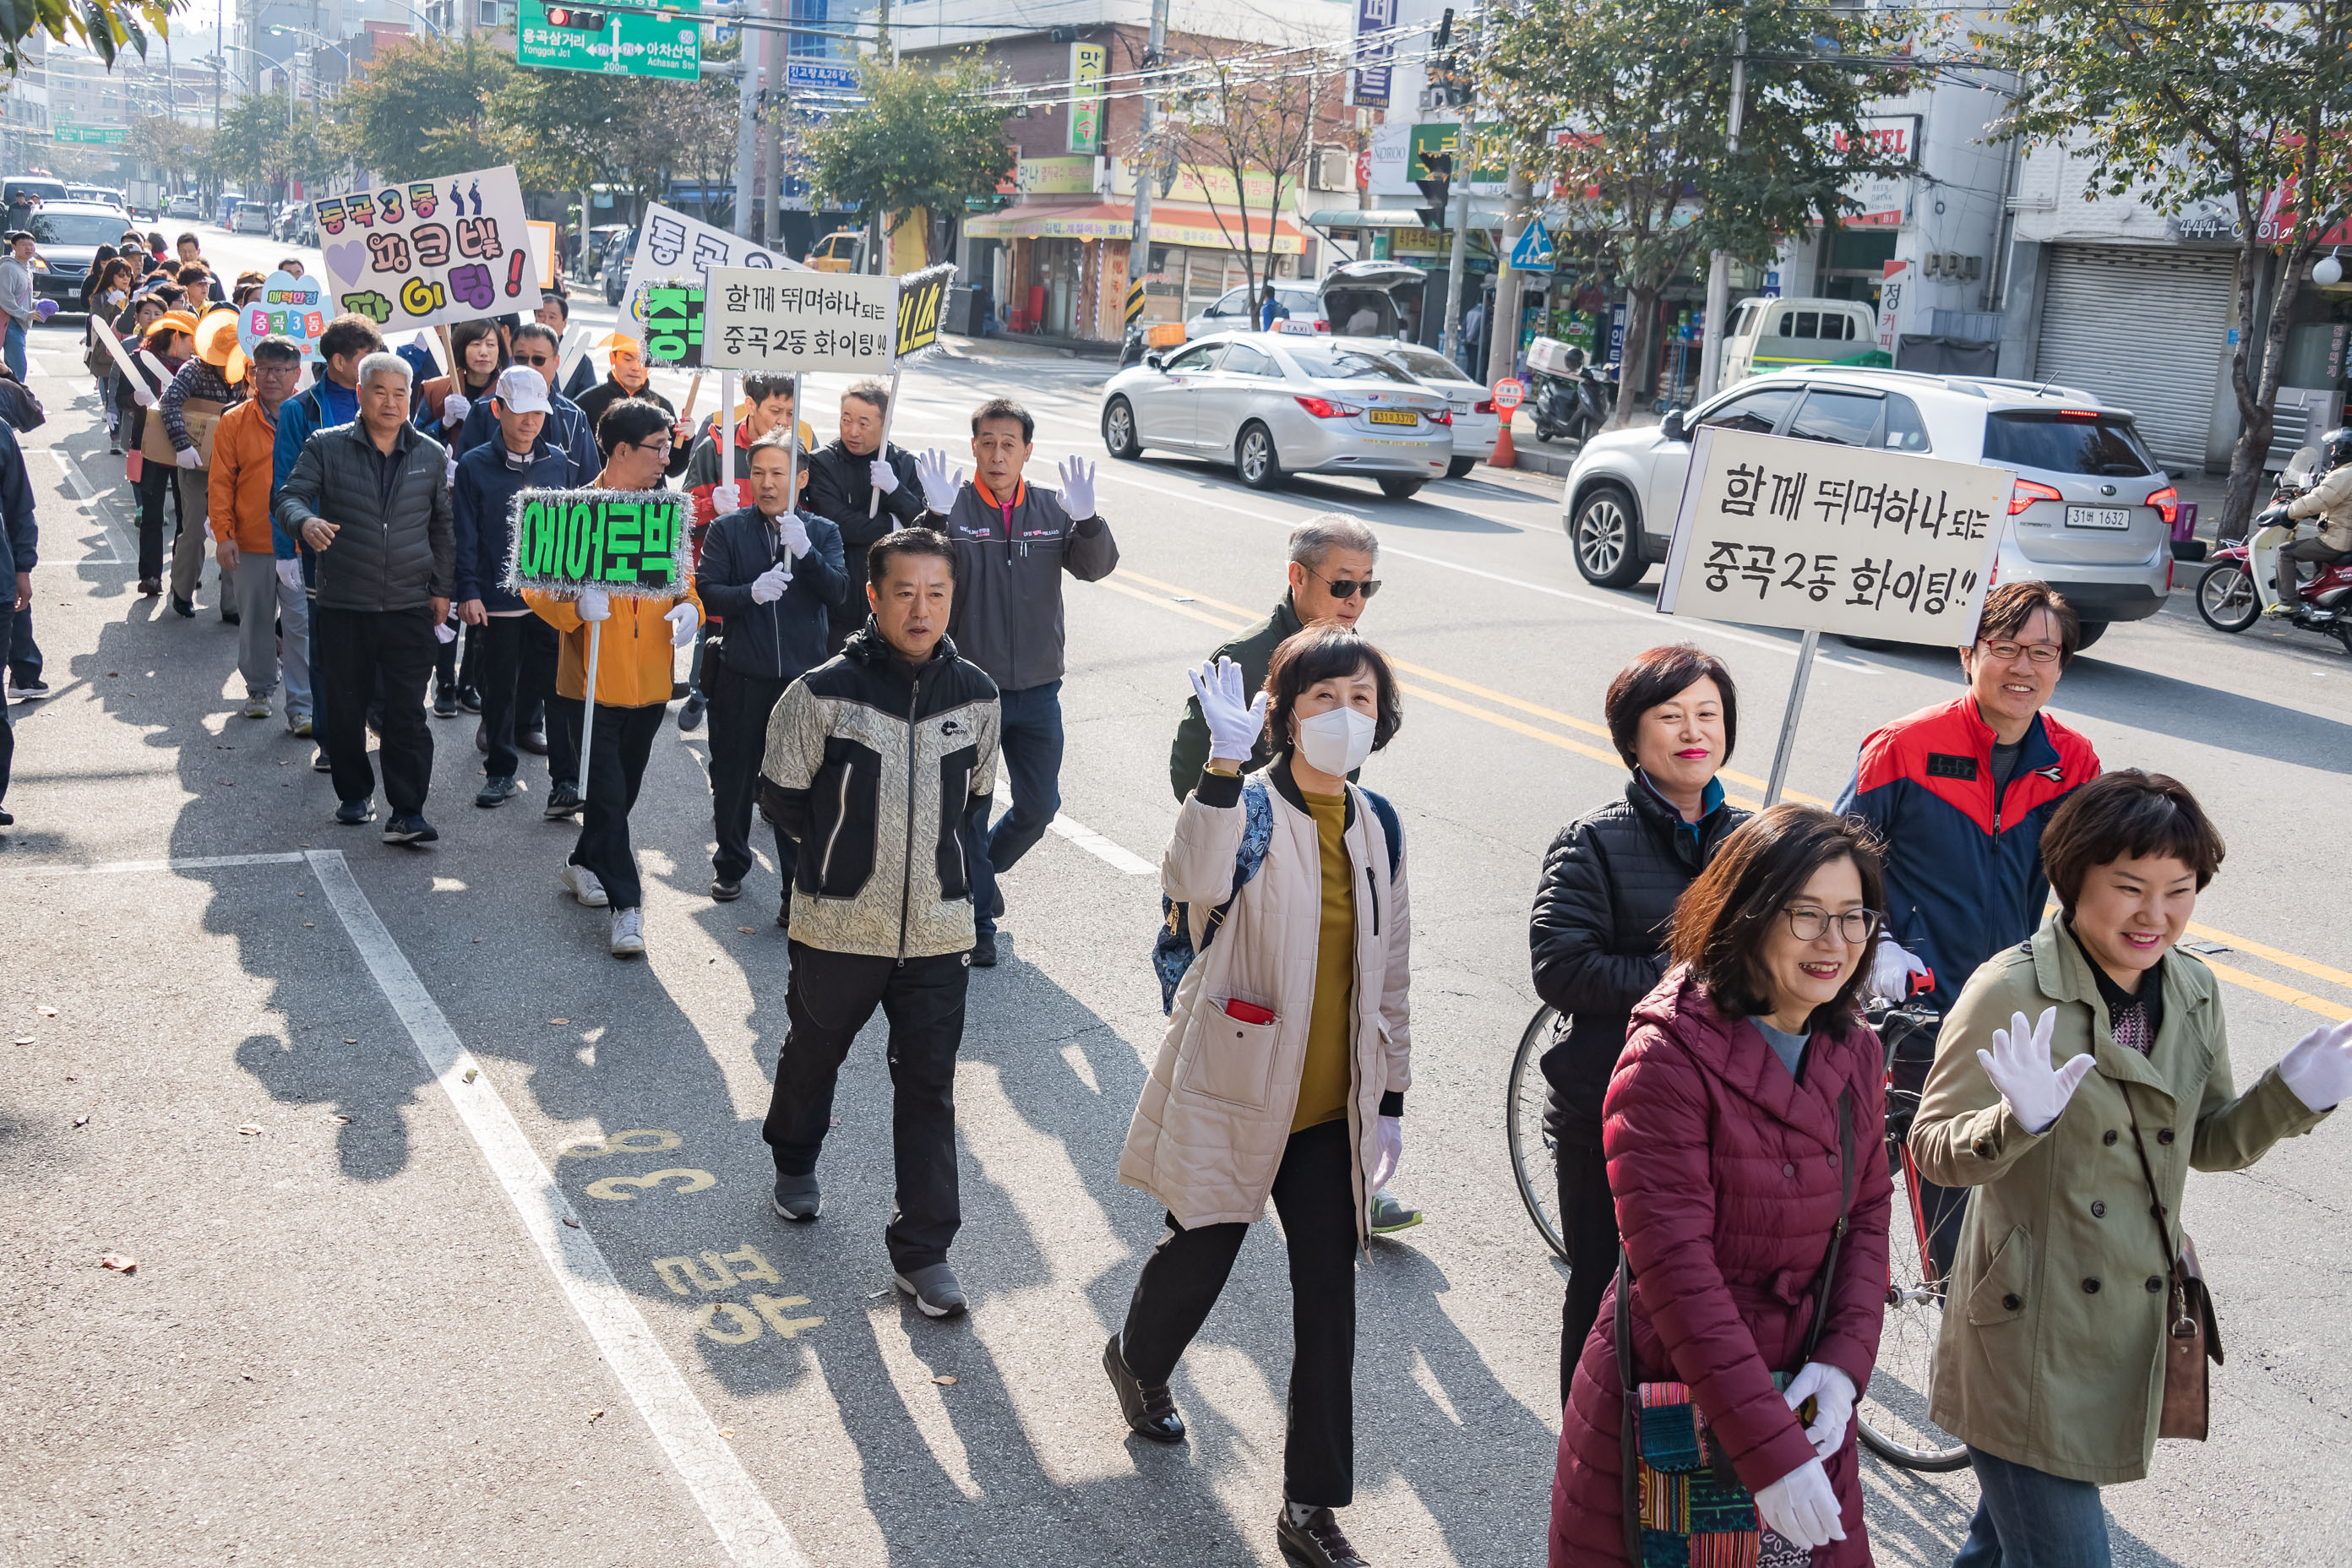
pixel 2334 1011
pixel 123 867
pixel 2312 967
pixel 1116 855
pixel 741 1518
pixel 97 506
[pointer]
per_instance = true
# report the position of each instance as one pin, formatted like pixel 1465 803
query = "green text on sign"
pixel 573 539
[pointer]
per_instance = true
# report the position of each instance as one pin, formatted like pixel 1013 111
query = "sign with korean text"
pixel 623 542
pixel 1375 20
pixel 923 308
pixel 429 253
pixel 287 306
pixel 617 37
pixel 1824 537
pixel 1088 63
pixel 761 320
pixel 675 249
pixel 673 323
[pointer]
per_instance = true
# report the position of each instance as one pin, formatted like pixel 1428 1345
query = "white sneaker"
pixel 628 933
pixel 583 885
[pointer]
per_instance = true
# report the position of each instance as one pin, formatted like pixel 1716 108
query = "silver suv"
pixel 2091 513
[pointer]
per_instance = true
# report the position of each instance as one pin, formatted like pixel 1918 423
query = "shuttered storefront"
pixel 2144 329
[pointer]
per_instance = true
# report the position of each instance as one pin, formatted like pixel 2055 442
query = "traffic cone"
pixel 1505 454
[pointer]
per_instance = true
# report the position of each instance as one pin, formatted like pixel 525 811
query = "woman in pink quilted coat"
pixel 1721 1129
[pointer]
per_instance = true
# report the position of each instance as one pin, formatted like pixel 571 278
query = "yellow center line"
pixel 2335 1011
pixel 2247 944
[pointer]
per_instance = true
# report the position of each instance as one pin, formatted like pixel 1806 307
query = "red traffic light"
pixel 573 18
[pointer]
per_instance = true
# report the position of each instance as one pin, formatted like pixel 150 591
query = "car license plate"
pixel 1395 416
pixel 2098 517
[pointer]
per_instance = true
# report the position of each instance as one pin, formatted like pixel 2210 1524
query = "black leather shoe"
pixel 1150 1410
pixel 1318 1544
pixel 534 741
pixel 726 890
pixel 983 950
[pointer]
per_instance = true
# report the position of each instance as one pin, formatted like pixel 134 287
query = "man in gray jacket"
pixel 1013 544
pixel 372 498
pixel 17 299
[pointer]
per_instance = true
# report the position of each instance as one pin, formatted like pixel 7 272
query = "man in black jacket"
pixel 373 499
pixel 774 575
pixel 630 378
pixel 843 479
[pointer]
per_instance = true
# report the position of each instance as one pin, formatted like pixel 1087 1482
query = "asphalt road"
pixel 386 1130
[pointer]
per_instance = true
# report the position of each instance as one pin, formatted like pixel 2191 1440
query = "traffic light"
pixel 578 20
pixel 1436 183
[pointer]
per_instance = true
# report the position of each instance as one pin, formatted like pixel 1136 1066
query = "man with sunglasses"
pixel 567 424
pixel 1959 795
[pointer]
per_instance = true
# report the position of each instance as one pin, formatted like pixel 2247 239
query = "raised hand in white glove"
pixel 769 586
pixel 1891 968
pixel 794 534
pixel 186 457
pixel 2018 1065
pixel 592 605
pixel 290 571
pixel 1077 489
pixel 725 498
pixel 1831 1392
pixel 940 485
pixel 454 409
pixel 1801 1506
pixel 683 618
pixel 2319 1066
pixel 1388 1150
pixel 1234 722
pixel 885 477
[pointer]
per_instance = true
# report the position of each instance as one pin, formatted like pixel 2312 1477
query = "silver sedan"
pixel 1274 403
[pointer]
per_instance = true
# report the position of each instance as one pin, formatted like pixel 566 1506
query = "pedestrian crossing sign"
pixel 1533 253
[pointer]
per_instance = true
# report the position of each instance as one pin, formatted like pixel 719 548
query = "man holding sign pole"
pixel 867 485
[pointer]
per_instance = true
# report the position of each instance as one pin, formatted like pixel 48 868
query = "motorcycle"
pixel 2241 582
pixel 1571 398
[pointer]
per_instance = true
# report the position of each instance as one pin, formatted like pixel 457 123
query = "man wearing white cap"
pixel 515 670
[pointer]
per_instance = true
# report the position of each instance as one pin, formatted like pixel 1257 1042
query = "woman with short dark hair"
pixel 1743 1133
pixel 1598 935
pixel 1287 1052
pixel 2078 1079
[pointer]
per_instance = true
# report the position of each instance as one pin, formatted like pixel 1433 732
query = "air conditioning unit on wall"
pixel 1327 169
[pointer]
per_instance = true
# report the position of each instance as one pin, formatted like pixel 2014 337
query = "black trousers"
pixel 357 648
pixel 622 740
pixel 7 732
pixel 23 653
pixel 564 716
pixel 740 706
pixel 1315 1194
pixel 517 672
pixel 154 483
pixel 1588 1224
pixel 828 999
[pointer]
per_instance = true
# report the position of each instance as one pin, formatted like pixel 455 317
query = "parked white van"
pixel 1782 334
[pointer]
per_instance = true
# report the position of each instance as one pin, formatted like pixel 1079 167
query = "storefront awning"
pixel 1172 223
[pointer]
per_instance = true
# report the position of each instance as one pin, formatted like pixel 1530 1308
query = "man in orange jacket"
pixel 636 637
pixel 264 592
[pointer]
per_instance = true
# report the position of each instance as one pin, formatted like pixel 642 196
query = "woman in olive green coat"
pixel 2060 1060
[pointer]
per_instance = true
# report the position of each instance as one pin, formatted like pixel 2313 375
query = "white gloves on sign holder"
pixel 1077 489
pixel 593 606
pixel 1235 721
pixel 769 586
pixel 940 485
pixel 1891 968
pixel 2318 1067
pixel 186 457
pixel 683 618
pixel 290 571
pixel 1388 1151
pixel 1831 1392
pixel 1801 1506
pixel 885 477
pixel 725 498
pixel 2018 1065
pixel 794 534
pixel 454 409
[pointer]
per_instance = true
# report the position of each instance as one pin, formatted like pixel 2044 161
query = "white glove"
pixel 2018 1065
pixel 940 487
pixel 794 534
pixel 683 618
pixel 1832 1393
pixel 1387 1149
pixel 885 477
pixel 454 409
pixel 1235 723
pixel 443 632
pixel 1802 1508
pixel 449 474
pixel 1892 965
pixel 290 571
pixel 725 498
pixel 186 457
pixel 592 605
pixel 2319 1066
pixel 769 586
pixel 1077 489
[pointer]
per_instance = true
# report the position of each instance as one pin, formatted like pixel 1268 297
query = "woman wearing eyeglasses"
pixel 1743 1129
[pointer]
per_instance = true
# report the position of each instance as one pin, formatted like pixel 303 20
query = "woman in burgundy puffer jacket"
pixel 1721 1133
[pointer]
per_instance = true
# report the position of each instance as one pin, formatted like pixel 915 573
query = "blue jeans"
pixel 1029 750
pixel 14 349
pixel 2029 1519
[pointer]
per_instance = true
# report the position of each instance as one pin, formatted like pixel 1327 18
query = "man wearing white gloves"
pixel 1959 794
pixel 1013 544
pixel 771 576
pixel 2080 1078
pixel 868 488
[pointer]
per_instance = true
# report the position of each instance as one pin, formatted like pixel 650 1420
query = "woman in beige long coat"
pixel 1287 1055
pixel 2066 1062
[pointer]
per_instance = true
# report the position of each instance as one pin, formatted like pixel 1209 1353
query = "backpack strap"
pixel 1257 832
pixel 1389 825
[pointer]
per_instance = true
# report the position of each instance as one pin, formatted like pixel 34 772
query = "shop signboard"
pixel 1070 176
pixel 1465 144
pixel 1087 64
pixel 1375 21
pixel 1885 200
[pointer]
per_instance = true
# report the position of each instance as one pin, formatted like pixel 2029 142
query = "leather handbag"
pixel 2192 1333
pixel 199 415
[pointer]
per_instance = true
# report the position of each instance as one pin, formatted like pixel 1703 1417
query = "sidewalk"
pixel 1537 456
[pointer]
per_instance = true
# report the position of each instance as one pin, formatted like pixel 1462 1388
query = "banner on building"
pixel 622 541
pixel 675 250
pixel 429 253
pixel 1087 64
pixel 756 320
pixel 1375 20
pixel 1776 532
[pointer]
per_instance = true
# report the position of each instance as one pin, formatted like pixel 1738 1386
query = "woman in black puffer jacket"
pixel 1599 932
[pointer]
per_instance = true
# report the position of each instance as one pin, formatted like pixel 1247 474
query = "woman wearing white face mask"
pixel 1288 1054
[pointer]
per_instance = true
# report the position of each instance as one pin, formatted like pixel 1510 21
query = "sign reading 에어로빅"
pixel 429 252
pixel 796 321
pixel 622 541
pixel 1822 537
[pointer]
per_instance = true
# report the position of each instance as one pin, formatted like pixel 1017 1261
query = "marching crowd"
pixel 876 637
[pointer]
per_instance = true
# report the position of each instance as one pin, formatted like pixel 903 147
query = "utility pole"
pixel 1147 162
pixel 1719 263
pixel 1503 321
pixel 747 129
pixel 1450 344
pixel 779 53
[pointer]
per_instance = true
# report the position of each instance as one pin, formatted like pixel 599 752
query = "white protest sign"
pixel 429 253
pixel 672 247
pixel 841 322
pixel 1775 531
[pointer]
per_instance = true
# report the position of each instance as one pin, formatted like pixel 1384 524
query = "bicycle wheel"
pixel 1532 1162
pixel 1892 1411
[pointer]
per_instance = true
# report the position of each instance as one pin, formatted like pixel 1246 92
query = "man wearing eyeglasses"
pixel 1959 794
pixel 567 428
pixel 1332 558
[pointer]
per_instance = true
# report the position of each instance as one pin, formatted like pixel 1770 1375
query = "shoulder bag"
pixel 2191 1333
